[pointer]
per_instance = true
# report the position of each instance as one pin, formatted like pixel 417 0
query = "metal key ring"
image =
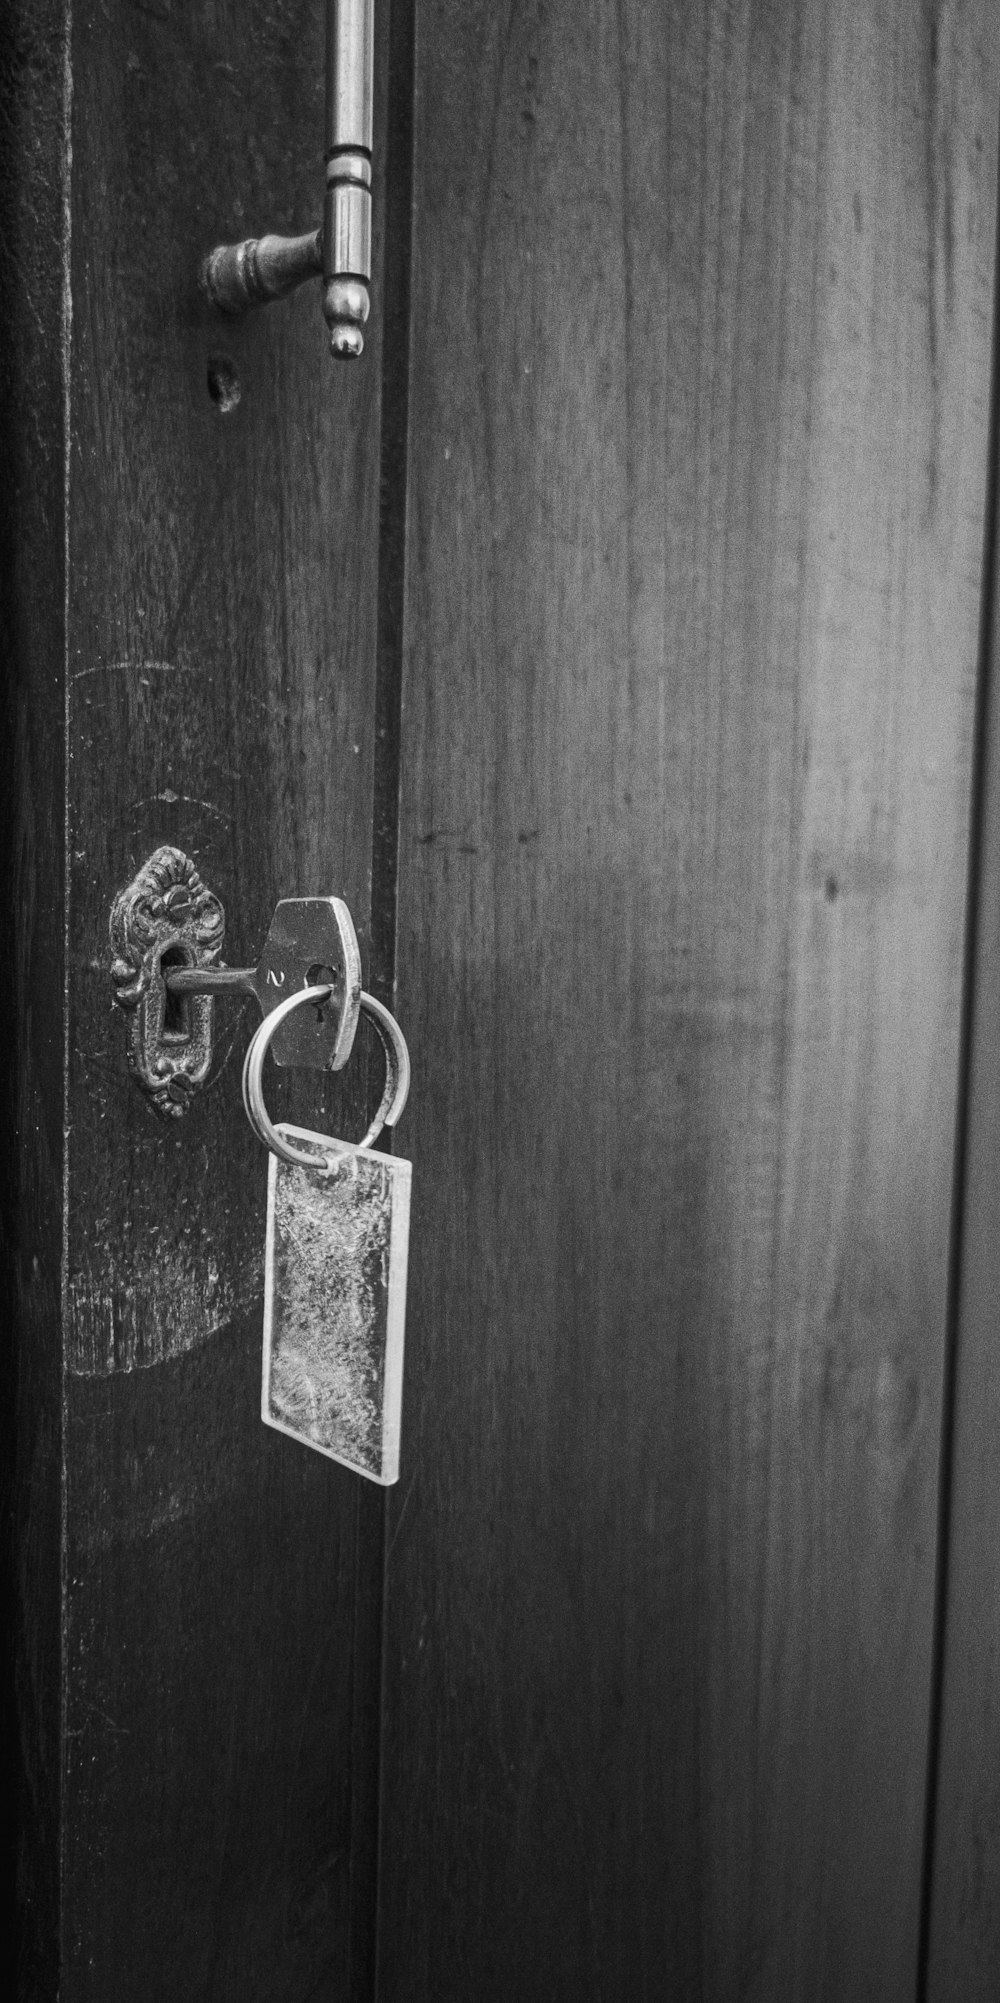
pixel 397 1079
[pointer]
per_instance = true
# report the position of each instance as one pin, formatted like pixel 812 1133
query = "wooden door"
pixel 701 338
pixel 197 506
pixel 610 639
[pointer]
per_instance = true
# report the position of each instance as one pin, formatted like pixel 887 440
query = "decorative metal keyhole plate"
pixel 166 916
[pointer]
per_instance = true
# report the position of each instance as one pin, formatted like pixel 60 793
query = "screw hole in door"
pixel 317 975
pixel 224 386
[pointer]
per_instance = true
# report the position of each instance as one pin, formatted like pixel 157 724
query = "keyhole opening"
pixel 176 1008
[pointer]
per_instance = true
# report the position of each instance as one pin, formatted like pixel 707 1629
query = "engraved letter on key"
pixel 335 1293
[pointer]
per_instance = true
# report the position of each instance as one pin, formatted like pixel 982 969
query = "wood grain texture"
pixel 32 652
pixel 701 349
pixel 222 1584
pixel 964 1942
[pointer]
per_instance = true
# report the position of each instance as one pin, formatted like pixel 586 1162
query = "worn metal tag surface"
pixel 335 1302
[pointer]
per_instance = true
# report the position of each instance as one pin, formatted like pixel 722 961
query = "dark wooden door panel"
pixel 701 351
pixel 32 763
pixel 221 1616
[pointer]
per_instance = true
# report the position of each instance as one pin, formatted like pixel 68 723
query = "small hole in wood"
pixel 223 383
pixel 317 977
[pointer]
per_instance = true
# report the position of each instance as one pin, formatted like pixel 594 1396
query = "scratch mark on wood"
pixel 170 799
pixel 116 1322
pixel 138 668
pixel 410 1486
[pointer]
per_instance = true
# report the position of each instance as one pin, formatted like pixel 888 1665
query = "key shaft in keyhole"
pixel 187 980
pixel 180 979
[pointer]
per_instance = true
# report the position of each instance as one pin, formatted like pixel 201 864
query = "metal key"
pixel 312 941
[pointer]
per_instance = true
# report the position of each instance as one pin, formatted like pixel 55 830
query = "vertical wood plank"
pixel 964 1934
pixel 32 649
pixel 222 1586
pixel 701 349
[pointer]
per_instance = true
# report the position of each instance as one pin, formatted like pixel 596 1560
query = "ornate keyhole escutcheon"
pixel 167 917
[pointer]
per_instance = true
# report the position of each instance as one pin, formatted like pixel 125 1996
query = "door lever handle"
pixel 236 276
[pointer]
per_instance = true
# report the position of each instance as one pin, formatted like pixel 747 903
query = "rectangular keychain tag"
pixel 335 1302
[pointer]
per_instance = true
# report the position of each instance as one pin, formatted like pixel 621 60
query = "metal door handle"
pixel 237 276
